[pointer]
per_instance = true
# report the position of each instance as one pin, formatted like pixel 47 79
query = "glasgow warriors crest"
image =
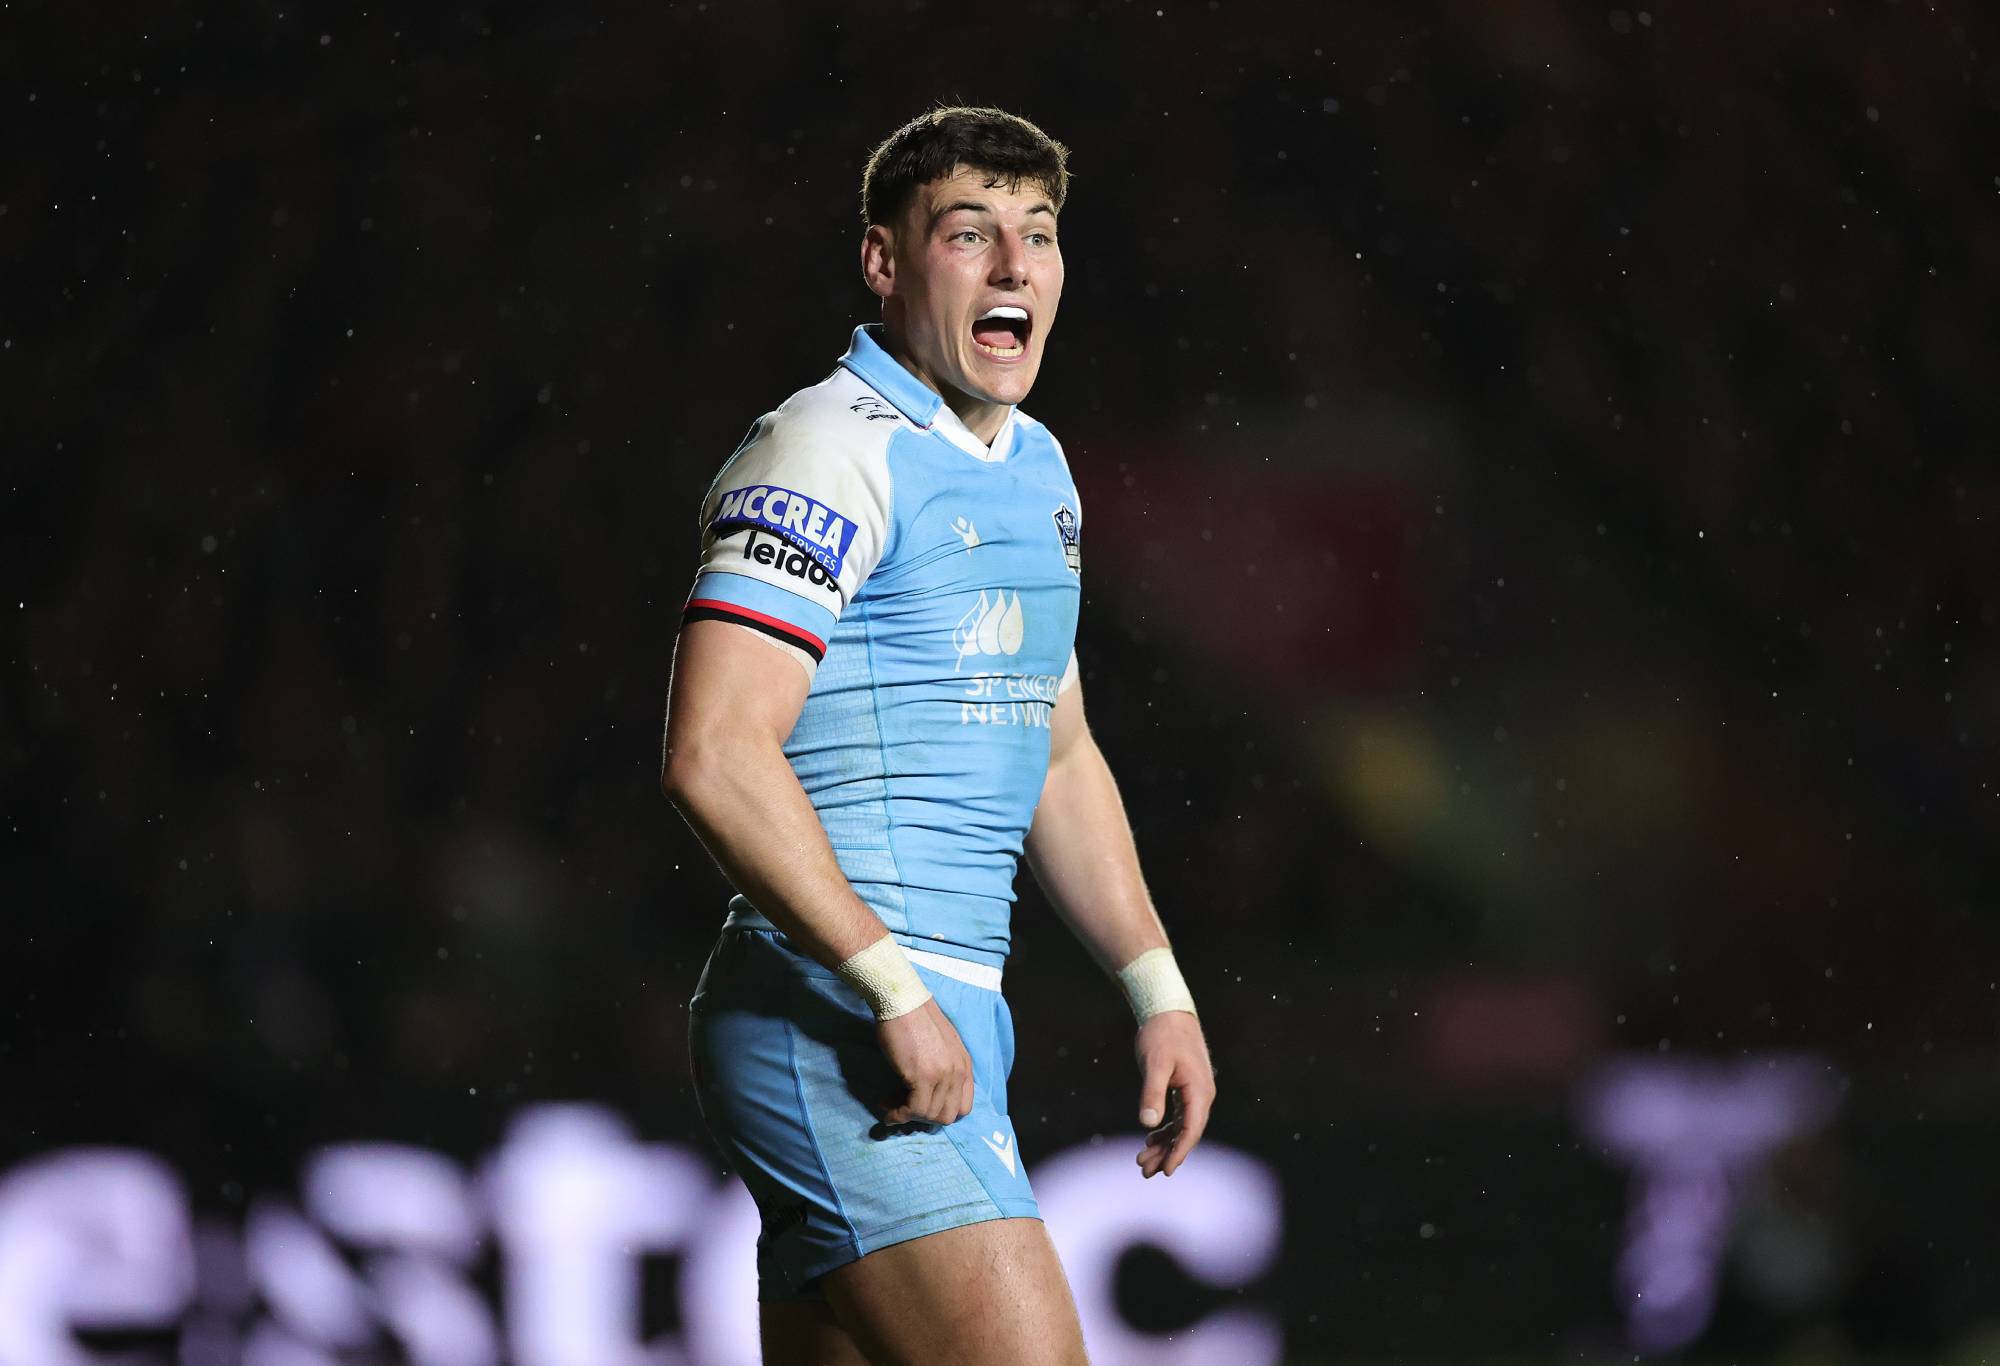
pixel 1068 529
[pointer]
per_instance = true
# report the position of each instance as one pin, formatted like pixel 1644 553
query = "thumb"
pixel 1153 1093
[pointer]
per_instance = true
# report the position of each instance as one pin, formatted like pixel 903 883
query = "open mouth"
pixel 1002 332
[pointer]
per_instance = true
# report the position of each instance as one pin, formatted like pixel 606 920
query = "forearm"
pixel 1081 850
pixel 748 809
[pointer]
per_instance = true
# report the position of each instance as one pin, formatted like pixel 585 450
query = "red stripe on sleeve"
pixel 730 609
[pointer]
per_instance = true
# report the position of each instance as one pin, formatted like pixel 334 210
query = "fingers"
pixel 1153 1092
pixel 1160 1140
pixel 1190 1099
pixel 1193 1122
pixel 930 1059
pixel 903 1112
pixel 943 1101
pixel 917 1107
pixel 1177 1089
pixel 951 1092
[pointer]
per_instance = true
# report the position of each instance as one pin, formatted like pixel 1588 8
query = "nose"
pixel 1010 262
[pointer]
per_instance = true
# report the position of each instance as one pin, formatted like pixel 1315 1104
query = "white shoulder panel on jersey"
pixel 804 504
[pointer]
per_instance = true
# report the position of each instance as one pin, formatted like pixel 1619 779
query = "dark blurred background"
pixel 1541 590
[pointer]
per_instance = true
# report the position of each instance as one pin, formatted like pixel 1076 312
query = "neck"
pixel 982 418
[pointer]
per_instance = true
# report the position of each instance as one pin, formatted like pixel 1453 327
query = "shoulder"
pixel 840 418
pixel 814 471
pixel 1031 432
pixel 1032 436
pixel 828 442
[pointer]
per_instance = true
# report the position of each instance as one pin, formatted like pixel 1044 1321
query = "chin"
pixel 1009 387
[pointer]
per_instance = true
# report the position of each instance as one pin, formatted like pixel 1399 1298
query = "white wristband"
pixel 886 979
pixel 1153 983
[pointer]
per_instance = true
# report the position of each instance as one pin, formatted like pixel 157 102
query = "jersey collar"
pixel 916 400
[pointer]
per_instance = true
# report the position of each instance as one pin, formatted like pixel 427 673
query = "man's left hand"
pixel 1176 1090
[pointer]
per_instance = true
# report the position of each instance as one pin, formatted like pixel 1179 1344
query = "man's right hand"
pixel 925 1052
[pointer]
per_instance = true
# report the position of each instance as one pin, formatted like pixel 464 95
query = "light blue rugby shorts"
pixel 790 1080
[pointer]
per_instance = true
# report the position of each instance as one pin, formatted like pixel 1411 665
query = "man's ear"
pixel 878 260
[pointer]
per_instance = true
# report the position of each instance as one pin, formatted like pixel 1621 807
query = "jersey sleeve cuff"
pixel 762 607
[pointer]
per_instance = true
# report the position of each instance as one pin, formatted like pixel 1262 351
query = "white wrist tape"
pixel 886 979
pixel 1153 983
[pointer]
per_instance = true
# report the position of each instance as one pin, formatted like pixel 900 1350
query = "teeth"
pixel 1004 311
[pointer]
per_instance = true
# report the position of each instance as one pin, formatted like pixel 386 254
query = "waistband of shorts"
pixel 959 969
pixel 982 971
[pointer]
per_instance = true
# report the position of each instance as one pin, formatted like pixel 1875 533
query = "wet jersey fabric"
pixel 935 580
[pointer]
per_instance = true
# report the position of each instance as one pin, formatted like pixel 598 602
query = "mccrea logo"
pixel 812 526
pixel 1071 532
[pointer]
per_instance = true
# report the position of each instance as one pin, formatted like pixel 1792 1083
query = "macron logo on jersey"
pixel 810 525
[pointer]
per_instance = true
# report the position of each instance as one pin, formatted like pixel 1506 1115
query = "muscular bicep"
pixel 728 686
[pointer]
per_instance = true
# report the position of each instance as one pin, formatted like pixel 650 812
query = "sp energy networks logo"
pixel 810 525
pixel 995 626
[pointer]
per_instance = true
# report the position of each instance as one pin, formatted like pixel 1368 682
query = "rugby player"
pixel 874 711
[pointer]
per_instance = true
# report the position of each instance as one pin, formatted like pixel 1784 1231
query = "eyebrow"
pixel 978 206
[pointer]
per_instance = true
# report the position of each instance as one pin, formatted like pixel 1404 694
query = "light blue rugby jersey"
pixel 935 580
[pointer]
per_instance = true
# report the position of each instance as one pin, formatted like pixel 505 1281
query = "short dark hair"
pixel 936 144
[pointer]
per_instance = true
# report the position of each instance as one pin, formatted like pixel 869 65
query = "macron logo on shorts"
pixel 810 525
pixel 1003 1148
